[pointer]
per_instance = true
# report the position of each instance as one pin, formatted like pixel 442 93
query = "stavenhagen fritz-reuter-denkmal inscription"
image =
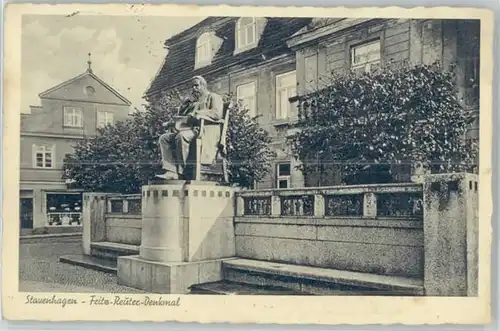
pixel 98 300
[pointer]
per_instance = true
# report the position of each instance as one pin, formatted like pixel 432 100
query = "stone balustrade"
pixel 111 217
pixel 124 204
pixel 380 200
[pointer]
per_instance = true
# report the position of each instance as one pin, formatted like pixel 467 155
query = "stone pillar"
pixel 370 205
pixel 275 205
pixel 187 231
pixel 93 219
pixel 450 235
pixel 240 206
pixel 319 205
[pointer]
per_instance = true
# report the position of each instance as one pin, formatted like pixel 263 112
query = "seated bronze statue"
pixel 196 138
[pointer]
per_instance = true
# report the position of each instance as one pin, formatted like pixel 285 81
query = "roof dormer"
pixel 248 32
pixel 203 50
pixel 207 46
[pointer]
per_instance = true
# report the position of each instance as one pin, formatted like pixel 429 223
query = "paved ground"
pixel 41 271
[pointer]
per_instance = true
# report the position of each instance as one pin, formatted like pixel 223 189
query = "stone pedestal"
pixel 451 235
pixel 187 230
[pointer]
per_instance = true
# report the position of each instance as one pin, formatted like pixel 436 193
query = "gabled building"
pixel 268 61
pixel 68 112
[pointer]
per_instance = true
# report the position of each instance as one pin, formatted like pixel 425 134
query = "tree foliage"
pixel 363 124
pixel 248 148
pixel 124 156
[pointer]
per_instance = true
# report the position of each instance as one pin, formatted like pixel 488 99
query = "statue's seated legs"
pixel 166 143
pixel 182 144
pixel 175 148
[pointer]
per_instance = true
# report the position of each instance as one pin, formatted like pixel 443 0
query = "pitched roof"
pixel 316 23
pixel 89 74
pixel 179 65
pixel 195 29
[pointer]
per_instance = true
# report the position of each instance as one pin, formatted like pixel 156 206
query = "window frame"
pixel 106 113
pixel 279 114
pixel 280 177
pixel 66 116
pixel 204 40
pixel 44 150
pixel 253 112
pixel 366 64
pixel 239 27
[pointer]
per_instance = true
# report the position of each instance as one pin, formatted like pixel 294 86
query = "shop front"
pixel 64 209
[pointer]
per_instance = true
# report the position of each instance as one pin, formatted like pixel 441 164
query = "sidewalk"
pixel 41 271
pixel 51 235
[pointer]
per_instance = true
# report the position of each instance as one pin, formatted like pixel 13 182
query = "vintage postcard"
pixel 247 164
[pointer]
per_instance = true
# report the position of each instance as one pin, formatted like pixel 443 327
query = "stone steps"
pixel 231 288
pixel 111 251
pixel 90 262
pixel 314 281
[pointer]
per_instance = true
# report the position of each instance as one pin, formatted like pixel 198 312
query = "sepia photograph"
pixel 246 155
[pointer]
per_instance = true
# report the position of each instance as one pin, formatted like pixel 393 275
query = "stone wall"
pixel 111 217
pixel 382 246
pixel 124 229
pixel 366 228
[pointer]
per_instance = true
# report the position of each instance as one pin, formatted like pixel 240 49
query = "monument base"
pixel 187 231
pixel 167 277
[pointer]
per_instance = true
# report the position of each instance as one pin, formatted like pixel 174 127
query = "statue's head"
pixel 199 86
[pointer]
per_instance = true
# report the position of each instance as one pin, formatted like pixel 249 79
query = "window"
pixel 43 156
pixel 203 49
pixel 283 172
pixel 246 93
pixel 366 57
pixel 89 90
pixel 311 74
pixel 104 118
pixel 73 117
pixel 286 87
pixel 246 32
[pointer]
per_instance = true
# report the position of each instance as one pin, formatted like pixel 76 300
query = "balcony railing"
pixel 371 201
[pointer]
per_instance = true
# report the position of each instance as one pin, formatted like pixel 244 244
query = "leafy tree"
pixel 365 124
pixel 248 148
pixel 124 156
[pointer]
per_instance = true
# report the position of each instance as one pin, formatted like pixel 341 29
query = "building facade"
pixel 267 62
pixel 68 112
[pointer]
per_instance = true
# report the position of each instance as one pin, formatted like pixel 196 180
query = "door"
pixel 26 213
